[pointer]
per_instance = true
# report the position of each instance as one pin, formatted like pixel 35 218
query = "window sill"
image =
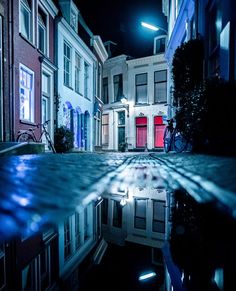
pixel 87 98
pixel 140 105
pixel 68 86
pixel 27 40
pixel 23 121
pixel 79 93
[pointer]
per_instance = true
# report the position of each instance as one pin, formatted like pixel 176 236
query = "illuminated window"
pixel 26 19
pixel 105 129
pixel 140 213
pixel 67 64
pixel 118 87
pixel 141 88
pixel 26 94
pixel 158 224
pixel 42 31
pixel 105 90
pixel 160 86
pixel 67 238
pixel 77 72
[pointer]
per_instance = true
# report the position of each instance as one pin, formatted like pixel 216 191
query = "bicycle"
pixel 29 135
pixel 174 140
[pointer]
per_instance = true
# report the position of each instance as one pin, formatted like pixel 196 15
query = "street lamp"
pixel 124 101
pixel 153 27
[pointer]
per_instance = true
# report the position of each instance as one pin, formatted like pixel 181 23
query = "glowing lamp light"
pixel 149 26
pixel 147 276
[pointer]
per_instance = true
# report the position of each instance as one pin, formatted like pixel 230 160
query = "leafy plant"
pixel 63 139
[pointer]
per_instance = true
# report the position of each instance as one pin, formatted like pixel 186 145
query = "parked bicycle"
pixel 28 135
pixel 174 140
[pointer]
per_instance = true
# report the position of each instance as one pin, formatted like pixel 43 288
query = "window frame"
pixel 69 60
pixel 78 73
pixel 139 85
pixel 86 80
pixel 105 90
pixel 103 125
pixel 156 85
pixel 118 95
pixel 68 242
pixel 30 11
pixel 140 217
pixel 32 94
pixel 162 221
pixel 46 28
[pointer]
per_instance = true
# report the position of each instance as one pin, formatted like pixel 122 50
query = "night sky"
pixel 119 21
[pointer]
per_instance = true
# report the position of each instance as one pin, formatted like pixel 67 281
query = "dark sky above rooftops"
pixel 119 21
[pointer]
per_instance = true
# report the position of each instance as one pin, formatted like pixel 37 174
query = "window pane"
pixel 26 95
pixel 141 79
pixel 160 76
pixel 104 210
pixel 121 118
pixel 141 94
pixel 117 214
pixel 118 87
pixel 25 19
pixel 140 214
pixel 160 92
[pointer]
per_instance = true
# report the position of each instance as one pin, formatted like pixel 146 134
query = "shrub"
pixel 63 139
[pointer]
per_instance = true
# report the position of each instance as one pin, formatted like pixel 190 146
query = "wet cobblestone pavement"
pixel 43 188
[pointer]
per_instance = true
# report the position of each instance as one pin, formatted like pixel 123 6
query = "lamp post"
pixel 124 101
pixel 153 27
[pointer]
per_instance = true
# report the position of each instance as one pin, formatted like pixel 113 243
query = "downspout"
pixel 11 74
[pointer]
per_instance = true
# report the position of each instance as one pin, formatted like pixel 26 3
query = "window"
pixel 117 214
pixel 26 94
pixel 140 213
pixel 105 211
pixel 118 87
pixel 77 231
pixel 88 218
pixel 121 129
pixel 86 79
pixel 141 88
pixel 45 97
pixel 29 281
pixel 160 86
pixel 2 266
pixel 105 90
pixel 67 238
pixel 160 44
pixel 105 129
pixel 26 19
pixel 67 65
pixel 97 131
pixel 77 72
pixel 73 20
pixel 42 31
pixel 158 224
pixel 44 259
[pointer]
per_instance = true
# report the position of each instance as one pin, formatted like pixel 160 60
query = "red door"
pixel 159 134
pixel 158 131
pixel 141 132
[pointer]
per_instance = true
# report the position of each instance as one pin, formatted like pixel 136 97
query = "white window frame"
pixel 30 10
pixel 32 94
pixel 86 80
pixel 65 58
pixel 78 73
pixel 46 38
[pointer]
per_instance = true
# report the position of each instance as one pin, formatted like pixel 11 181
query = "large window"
pixel 42 31
pixel 67 238
pixel 105 129
pixel 105 90
pixel 118 87
pixel 160 89
pixel 67 64
pixel 140 213
pixel 26 94
pixel 141 88
pixel 86 79
pixel 158 224
pixel 26 24
pixel 117 214
pixel 77 73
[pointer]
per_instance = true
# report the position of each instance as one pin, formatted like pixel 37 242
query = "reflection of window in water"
pixel 140 213
pixel 66 116
pixel 117 214
pixel 158 216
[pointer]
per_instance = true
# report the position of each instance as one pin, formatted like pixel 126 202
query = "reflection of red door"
pixel 159 131
pixel 141 132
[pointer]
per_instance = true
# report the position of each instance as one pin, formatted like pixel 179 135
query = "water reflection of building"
pixel 52 260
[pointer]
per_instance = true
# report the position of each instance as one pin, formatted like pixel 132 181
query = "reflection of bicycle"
pixel 29 136
pixel 174 140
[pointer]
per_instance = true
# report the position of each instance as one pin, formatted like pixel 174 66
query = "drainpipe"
pixel 11 73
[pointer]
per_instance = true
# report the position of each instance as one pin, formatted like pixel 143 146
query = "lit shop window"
pixel 26 94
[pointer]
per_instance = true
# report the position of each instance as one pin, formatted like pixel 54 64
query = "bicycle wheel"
pixel 167 140
pixel 180 143
pixel 24 137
